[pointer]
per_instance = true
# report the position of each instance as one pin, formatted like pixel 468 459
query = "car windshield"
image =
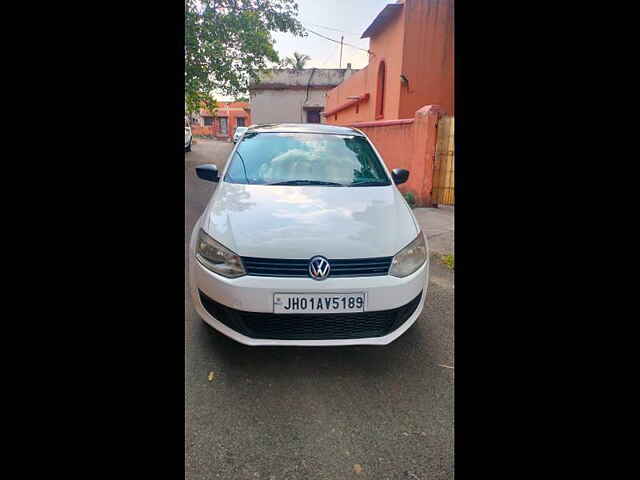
pixel 305 159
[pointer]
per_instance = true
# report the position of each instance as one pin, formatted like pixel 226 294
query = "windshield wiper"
pixel 307 182
pixel 370 183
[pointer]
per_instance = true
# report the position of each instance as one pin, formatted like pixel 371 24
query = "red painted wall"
pixel 409 145
pixel 427 56
pixel 358 84
pixel 417 43
pixel 231 110
pixel 386 46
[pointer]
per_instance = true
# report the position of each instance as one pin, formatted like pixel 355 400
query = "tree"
pixel 228 43
pixel 298 61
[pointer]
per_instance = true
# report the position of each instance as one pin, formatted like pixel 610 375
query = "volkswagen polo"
pixel 307 241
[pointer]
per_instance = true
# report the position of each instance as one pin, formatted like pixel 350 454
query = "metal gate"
pixel 443 168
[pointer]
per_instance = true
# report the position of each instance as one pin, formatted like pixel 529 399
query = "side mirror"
pixel 208 172
pixel 400 175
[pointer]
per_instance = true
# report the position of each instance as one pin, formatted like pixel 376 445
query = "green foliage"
pixel 448 261
pixel 410 198
pixel 228 43
pixel 298 61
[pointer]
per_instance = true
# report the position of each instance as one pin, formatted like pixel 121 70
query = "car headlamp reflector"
pixel 410 258
pixel 218 258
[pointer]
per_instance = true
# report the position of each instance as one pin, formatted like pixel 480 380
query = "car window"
pixel 306 158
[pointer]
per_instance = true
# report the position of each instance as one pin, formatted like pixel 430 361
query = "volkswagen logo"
pixel 319 268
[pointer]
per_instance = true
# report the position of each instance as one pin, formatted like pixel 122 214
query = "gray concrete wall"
pixel 289 78
pixel 280 94
pixel 278 106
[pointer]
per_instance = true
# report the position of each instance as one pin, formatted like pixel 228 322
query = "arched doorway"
pixel 380 90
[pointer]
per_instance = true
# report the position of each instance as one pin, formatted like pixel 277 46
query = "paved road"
pixel 317 413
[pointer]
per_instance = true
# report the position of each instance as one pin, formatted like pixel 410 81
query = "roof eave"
pixel 382 19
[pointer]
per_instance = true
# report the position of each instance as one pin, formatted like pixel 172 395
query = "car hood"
pixel 271 221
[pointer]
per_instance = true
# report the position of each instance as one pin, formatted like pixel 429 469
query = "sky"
pixel 350 17
pixel 333 19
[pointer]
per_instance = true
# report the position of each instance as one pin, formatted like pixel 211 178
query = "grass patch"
pixel 448 261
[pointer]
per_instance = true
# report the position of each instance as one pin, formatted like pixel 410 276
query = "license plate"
pixel 318 302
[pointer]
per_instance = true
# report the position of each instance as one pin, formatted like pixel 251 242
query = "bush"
pixel 411 199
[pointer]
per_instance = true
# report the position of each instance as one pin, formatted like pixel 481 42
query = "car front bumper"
pixel 249 296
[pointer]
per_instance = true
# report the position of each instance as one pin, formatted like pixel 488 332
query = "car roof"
pixel 304 128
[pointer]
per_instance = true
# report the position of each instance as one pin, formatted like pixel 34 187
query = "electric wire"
pixel 334 29
pixel 338 41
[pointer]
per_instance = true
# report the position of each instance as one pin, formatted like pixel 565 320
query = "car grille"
pixel 354 267
pixel 311 326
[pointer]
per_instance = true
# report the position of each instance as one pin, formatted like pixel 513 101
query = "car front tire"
pixel 188 149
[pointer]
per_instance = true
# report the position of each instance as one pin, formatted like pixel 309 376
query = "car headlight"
pixel 410 258
pixel 217 257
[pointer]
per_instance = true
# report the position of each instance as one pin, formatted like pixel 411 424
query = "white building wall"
pixel 284 106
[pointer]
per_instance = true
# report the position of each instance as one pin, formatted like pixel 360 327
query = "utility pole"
pixel 341 40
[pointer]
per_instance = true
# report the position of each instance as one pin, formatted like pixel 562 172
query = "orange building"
pixel 410 66
pixel 222 123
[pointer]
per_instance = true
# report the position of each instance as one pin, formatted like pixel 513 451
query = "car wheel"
pixel 188 149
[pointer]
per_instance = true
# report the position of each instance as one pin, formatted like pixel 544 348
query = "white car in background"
pixel 187 136
pixel 238 134
pixel 307 241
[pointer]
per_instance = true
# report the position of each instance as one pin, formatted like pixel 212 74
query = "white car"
pixel 307 241
pixel 187 136
pixel 238 133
